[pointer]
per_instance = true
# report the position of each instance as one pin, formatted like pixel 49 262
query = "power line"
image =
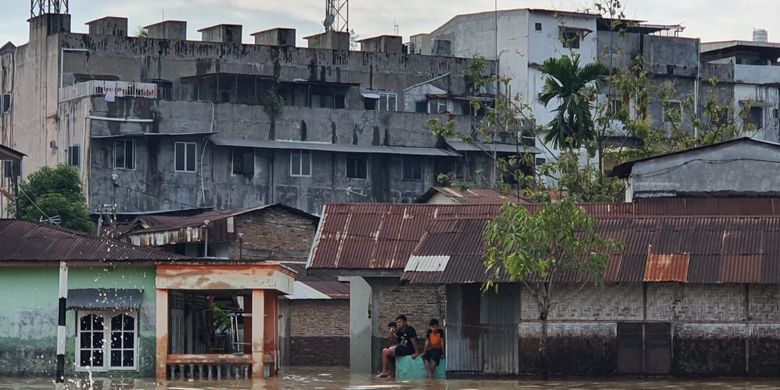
pixel 48 218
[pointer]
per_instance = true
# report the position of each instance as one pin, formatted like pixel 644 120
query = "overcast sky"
pixel 710 20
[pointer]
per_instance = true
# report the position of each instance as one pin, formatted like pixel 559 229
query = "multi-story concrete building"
pixel 160 123
pixel 746 76
pixel 520 40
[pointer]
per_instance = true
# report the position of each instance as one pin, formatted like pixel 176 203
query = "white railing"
pixel 109 89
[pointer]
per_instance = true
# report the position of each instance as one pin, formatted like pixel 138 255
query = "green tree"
pixel 49 192
pixel 574 89
pixel 538 248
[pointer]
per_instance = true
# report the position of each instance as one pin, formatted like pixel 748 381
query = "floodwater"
pixel 314 378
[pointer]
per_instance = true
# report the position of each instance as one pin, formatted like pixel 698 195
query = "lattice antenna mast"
pixel 42 7
pixel 336 15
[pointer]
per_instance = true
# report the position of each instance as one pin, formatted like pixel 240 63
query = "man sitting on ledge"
pixel 406 338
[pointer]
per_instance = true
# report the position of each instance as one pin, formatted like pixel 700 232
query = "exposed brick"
pixel 319 351
pixel 319 318
pixel 273 234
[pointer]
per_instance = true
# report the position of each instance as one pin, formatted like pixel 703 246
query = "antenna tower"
pixel 336 15
pixel 42 7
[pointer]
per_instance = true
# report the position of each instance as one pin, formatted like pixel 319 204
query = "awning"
pixel 328 147
pixel 109 299
pixel 368 94
pixel 500 148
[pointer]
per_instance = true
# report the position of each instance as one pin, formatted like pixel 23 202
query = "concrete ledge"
pixel 408 368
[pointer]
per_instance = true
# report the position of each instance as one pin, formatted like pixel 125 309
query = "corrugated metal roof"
pixel 7 153
pixel 501 148
pixel 30 241
pixel 112 299
pixel 381 236
pixel 328 147
pixel 472 196
pixel 692 249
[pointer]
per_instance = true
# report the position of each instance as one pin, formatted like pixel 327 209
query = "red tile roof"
pixel 30 241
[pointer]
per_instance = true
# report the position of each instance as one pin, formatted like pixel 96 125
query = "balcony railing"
pixel 110 89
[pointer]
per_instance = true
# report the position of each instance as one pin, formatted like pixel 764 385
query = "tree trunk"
pixel 543 345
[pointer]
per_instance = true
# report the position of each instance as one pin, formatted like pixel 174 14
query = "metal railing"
pixel 109 89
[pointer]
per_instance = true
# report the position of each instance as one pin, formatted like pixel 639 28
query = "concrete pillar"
pixel 162 334
pixel 359 324
pixel 258 332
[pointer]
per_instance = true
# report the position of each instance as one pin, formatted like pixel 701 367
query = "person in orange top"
pixel 434 348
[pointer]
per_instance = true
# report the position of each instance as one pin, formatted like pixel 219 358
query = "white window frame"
pixel 124 146
pixel 195 157
pixel 299 162
pixel 107 316
pixel 388 97
pixel 356 157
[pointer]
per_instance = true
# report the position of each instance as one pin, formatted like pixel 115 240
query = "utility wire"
pixel 48 218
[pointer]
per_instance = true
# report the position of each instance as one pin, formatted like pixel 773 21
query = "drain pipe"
pixel 206 238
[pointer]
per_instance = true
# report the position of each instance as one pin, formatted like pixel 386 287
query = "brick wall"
pixel 274 232
pixel 319 333
pixel 716 329
pixel 419 303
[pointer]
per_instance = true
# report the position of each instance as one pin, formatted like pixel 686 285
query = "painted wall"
pixel 360 330
pixel 28 321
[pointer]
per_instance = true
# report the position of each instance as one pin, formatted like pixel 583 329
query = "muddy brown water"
pixel 313 378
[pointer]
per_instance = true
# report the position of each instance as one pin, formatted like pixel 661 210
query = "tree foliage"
pixel 574 90
pixel 538 248
pixel 49 192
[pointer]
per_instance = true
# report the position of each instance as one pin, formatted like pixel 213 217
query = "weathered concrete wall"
pixel 419 303
pixel 319 333
pixel 692 172
pixel 28 326
pixel 717 330
pixel 360 325
pixel 154 185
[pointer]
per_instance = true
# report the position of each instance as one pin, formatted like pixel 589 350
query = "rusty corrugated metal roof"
pixel 30 241
pixel 692 249
pixel 472 196
pixel 381 236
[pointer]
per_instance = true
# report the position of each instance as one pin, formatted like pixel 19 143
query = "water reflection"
pixel 312 378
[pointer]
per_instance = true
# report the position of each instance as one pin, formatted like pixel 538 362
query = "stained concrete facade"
pixel 747 76
pixel 522 39
pixel 70 99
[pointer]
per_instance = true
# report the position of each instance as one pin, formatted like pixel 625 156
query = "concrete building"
pixel 736 168
pixel 163 123
pixel 11 163
pixel 520 40
pixel 747 75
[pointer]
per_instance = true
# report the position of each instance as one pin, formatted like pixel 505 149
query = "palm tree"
pixel 568 83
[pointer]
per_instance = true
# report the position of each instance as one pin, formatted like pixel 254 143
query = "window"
pixel 243 162
pixel 124 154
pixel 164 89
pixel 300 163
pixel 107 341
pixel 540 161
pixel 388 101
pixel 6 103
pixel 74 155
pixel 615 107
pixel 369 104
pixel 538 26
pixel 421 107
pixel 8 168
pixel 185 156
pixel 756 117
pixel 412 169
pixel 440 106
pixel 570 38
pixel 673 111
pixel 357 167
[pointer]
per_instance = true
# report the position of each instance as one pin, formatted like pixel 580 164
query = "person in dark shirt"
pixel 406 344
pixel 434 347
